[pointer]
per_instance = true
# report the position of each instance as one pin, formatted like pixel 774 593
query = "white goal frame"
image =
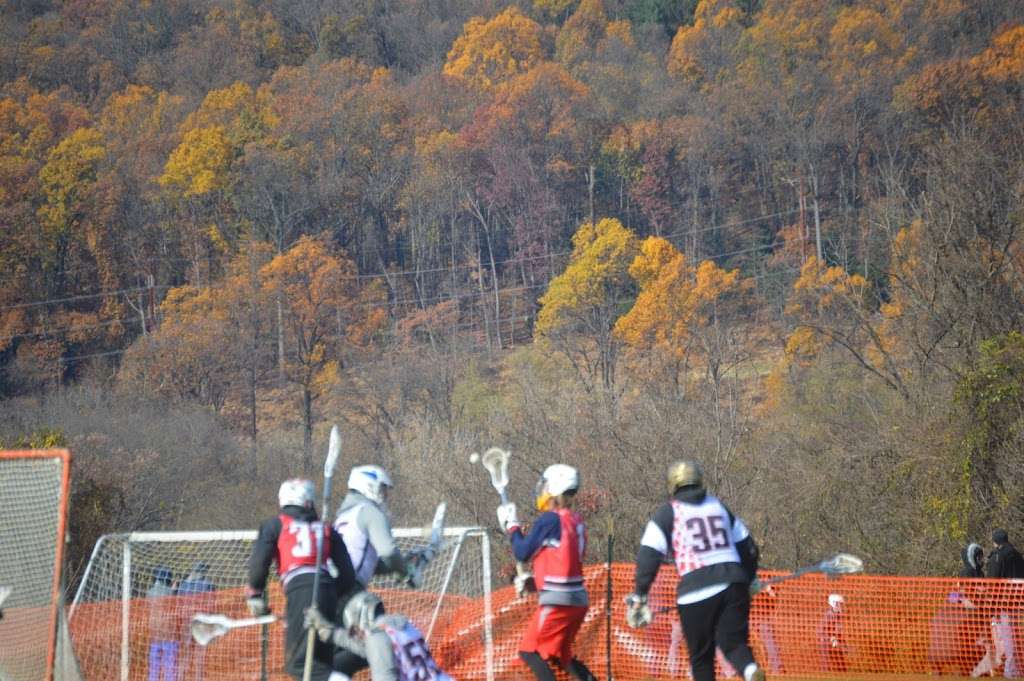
pixel 459 534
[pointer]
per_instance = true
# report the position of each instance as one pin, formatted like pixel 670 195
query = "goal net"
pixel 130 616
pixel 33 512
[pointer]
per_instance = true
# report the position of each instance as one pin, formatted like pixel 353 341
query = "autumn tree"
pixel 324 310
pixel 579 309
pixel 491 51
pixel 682 312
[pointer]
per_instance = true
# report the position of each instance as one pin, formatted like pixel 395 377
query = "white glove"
pixel 524 581
pixel 638 614
pixel 257 605
pixel 315 620
pixel 507 517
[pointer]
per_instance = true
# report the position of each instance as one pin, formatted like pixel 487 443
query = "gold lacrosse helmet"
pixel 683 473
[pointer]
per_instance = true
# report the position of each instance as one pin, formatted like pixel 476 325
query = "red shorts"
pixel 551 631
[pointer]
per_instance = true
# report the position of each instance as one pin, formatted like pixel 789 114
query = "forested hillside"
pixel 783 237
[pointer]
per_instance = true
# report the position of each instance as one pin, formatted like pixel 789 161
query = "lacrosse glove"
pixel 638 614
pixel 524 581
pixel 323 627
pixel 507 519
pixel 414 575
pixel 257 605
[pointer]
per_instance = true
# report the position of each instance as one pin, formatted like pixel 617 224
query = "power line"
pixel 87 296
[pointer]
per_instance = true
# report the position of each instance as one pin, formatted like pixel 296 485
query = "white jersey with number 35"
pixel 704 534
pixel 414 660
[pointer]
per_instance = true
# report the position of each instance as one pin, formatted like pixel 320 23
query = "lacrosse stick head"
pixel 843 564
pixel 495 460
pixel 206 628
pixel 5 591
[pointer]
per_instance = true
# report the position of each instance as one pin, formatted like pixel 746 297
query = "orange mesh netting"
pixel 892 625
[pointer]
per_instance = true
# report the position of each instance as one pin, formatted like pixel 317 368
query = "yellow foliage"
pixel 803 345
pixel 596 273
pixel 1004 61
pixel 716 23
pixel 490 52
pixel 674 298
pixel 581 32
pixel 69 171
pixel 200 163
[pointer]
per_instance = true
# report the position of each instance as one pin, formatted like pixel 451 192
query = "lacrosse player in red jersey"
pixel 717 563
pixel 556 544
pixel 290 540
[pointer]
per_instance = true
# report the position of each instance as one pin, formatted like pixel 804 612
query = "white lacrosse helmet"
pixel 369 481
pixel 835 600
pixel 361 612
pixel 296 492
pixel 557 479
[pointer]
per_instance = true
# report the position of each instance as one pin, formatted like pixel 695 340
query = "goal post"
pixel 34 490
pixel 140 590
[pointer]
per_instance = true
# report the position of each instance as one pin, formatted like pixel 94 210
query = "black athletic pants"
pixel 718 621
pixel 299 595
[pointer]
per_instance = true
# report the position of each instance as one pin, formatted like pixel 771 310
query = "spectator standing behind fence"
pixel 195 594
pixel 1005 562
pixel 163 621
pixel 831 641
pixel 951 645
pixel 763 612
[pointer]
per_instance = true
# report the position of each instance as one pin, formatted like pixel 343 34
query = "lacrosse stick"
pixel 205 628
pixel 333 452
pixel 836 566
pixel 420 557
pixel 495 460
pixel 841 563
pixel 5 591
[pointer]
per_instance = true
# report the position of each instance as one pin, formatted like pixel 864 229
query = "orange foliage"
pixel 490 52
pixel 675 298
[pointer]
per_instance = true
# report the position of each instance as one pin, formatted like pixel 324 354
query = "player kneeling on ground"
pixel 392 644
pixel 717 562
pixel 290 539
pixel 555 544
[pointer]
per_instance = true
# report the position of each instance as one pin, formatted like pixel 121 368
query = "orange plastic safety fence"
pixel 890 625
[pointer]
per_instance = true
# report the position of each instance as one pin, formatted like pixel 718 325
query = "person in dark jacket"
pixel 973 557
pixel 1005 561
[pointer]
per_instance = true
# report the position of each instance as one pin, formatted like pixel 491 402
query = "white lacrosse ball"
pixel 474 458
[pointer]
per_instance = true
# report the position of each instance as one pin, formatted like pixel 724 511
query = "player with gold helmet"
pixel 716 559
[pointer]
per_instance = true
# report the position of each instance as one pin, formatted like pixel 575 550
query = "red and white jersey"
pixel 558 565
pixel 296 546
pixel 704 534
pixel 415 662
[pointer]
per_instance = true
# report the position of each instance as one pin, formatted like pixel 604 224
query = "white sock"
pixel 748 672
pixel 338 676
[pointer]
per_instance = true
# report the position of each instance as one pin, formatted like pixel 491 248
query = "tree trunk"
pixel 307 431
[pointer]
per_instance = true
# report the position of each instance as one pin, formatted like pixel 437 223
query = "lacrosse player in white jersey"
pixel 716 559
pixel 363 523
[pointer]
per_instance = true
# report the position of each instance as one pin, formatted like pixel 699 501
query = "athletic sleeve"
pixel 263 551
pixel 746 547
pixel 654 547
pixel 547 527
pixel 376 526
pixel 342 562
